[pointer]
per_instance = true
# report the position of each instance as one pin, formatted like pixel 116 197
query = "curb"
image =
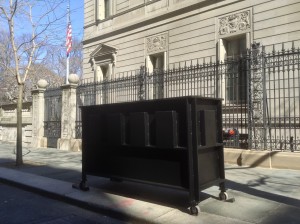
pixel 71 195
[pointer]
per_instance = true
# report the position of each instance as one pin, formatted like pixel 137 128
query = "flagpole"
pixel 68 54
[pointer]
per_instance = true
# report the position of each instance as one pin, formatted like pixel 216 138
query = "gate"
pixel 52 122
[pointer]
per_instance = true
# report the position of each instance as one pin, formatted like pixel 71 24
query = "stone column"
pixel 68 117
pixel 38 112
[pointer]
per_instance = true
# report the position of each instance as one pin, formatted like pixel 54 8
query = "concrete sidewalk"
pixel 261 195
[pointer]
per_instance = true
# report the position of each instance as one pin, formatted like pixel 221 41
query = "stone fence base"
pixel 69 144
pixel 267 159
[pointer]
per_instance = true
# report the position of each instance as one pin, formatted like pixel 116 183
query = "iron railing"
pixel 260 94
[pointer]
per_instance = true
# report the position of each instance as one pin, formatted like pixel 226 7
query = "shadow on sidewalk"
pixel 64 174
pixel 170 197
pixel 262 194
pixel 174 198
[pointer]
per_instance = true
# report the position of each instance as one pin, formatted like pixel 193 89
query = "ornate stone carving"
pixel 238 22
pixel 256 100
pixel 157 43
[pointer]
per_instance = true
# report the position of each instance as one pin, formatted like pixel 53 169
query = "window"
pixel 104 71
pixel 107 8
pixel 235 48
pixel 157 61
pixel 156 66
pixel 103 60
pixel 234 51
pixel 103 9
pixel 156 48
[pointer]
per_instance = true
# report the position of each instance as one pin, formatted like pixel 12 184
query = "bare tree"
pixel 56 58
pixel 38 18
pixel 37 71
pixel 6 53
pixel 6 58
pixel 76 58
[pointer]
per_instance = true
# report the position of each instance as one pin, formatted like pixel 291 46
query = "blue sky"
pixel 56 34
pixel 76 8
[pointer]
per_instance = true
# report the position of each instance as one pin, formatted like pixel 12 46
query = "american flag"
pixel 69 39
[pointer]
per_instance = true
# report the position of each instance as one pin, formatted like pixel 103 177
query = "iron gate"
pixel 52 122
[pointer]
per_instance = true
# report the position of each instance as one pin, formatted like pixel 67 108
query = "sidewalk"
pixel 261 195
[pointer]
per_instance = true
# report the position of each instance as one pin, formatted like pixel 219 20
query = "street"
pixel 20 206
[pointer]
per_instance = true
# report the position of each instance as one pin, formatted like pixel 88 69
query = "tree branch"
pixel 32 49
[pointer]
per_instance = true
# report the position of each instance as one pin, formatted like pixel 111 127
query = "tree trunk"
pixel 19 154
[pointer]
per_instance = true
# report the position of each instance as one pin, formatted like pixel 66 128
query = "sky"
pixel 54 35
pixel 76 9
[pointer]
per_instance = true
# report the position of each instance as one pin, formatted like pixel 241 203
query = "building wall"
pixel 191 28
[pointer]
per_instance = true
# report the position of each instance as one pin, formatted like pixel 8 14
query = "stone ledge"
pixel 267 159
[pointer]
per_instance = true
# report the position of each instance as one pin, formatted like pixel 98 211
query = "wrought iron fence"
pixel 281 99
pixel 260 93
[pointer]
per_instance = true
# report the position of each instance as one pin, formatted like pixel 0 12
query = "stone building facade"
pixel 122 35
pixel 260 87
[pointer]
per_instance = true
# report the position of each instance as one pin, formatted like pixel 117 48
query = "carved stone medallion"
pixel 157 43
pixel 235 23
